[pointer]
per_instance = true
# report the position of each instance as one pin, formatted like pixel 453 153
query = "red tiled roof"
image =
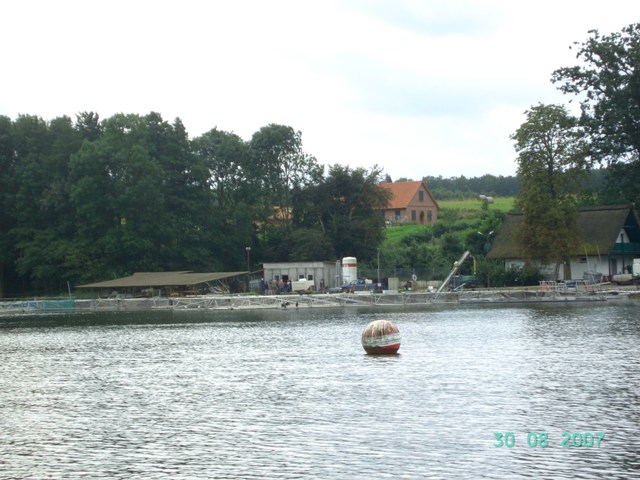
pixel 403 192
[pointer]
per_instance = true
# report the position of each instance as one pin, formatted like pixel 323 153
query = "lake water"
pixel 284 394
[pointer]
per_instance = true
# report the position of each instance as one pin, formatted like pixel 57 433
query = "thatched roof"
pixel 599 231
pixel 162 279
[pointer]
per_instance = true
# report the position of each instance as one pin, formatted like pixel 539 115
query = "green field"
pixel 395 234
pixel 503 204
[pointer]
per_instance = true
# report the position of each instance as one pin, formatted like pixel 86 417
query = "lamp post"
pixel 486 243
pixel 378 286
pixel 248 249
pixel 622 249
pixel 486 247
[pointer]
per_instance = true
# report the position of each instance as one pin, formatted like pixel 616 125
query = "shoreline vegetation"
pixel 459 218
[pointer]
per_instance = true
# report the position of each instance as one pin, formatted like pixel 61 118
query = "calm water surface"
pixel 291 394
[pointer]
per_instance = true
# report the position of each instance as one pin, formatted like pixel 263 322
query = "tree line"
pixel 88 199
pixel 459 188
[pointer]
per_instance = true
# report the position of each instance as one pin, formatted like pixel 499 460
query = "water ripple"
pixel 256 395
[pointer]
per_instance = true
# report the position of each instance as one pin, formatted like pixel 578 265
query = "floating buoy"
pixel 381 337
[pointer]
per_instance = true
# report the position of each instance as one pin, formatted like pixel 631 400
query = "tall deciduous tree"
pixel 88 125
pixel 279 165
pixel 226 159
pixel 345 209
pixel 551 162
pixel 186 224
pixel 607 84
pixel 42 209
pixel 225 156
pixel 140 199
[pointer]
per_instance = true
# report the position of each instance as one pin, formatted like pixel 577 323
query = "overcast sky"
pixel 416 87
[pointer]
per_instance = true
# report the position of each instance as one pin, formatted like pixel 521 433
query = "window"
pixel 429 216
pixel 413 215
pixel 397 214
pixel 421 195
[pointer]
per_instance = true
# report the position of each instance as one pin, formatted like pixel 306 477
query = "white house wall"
pixel 579 266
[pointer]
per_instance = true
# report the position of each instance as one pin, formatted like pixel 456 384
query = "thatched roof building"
pixel 609 239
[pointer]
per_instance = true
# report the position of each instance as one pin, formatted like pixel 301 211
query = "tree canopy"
pixel 95 199
pixel 607 85
pixel 279 165
pixel 345 211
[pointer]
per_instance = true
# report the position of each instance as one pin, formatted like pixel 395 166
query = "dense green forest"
pixel 90 199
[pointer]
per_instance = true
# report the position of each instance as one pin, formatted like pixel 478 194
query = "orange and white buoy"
pixel 381 337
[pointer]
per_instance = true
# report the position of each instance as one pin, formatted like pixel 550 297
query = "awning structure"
pixel 163 279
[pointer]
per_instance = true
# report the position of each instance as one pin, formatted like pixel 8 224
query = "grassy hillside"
pixel 452 213
pixel 397 233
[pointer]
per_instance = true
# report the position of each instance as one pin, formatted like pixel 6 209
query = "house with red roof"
pixel 411 202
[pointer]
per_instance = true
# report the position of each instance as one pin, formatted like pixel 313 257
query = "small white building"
pixel 323 274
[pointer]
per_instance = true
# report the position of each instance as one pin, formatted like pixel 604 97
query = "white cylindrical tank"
pixel 349 269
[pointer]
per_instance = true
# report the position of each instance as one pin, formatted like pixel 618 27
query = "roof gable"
pixel 404 192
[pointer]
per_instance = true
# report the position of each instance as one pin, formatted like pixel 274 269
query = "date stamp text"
pixel 542 439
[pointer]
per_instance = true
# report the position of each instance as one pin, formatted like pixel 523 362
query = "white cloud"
pixel 416 87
